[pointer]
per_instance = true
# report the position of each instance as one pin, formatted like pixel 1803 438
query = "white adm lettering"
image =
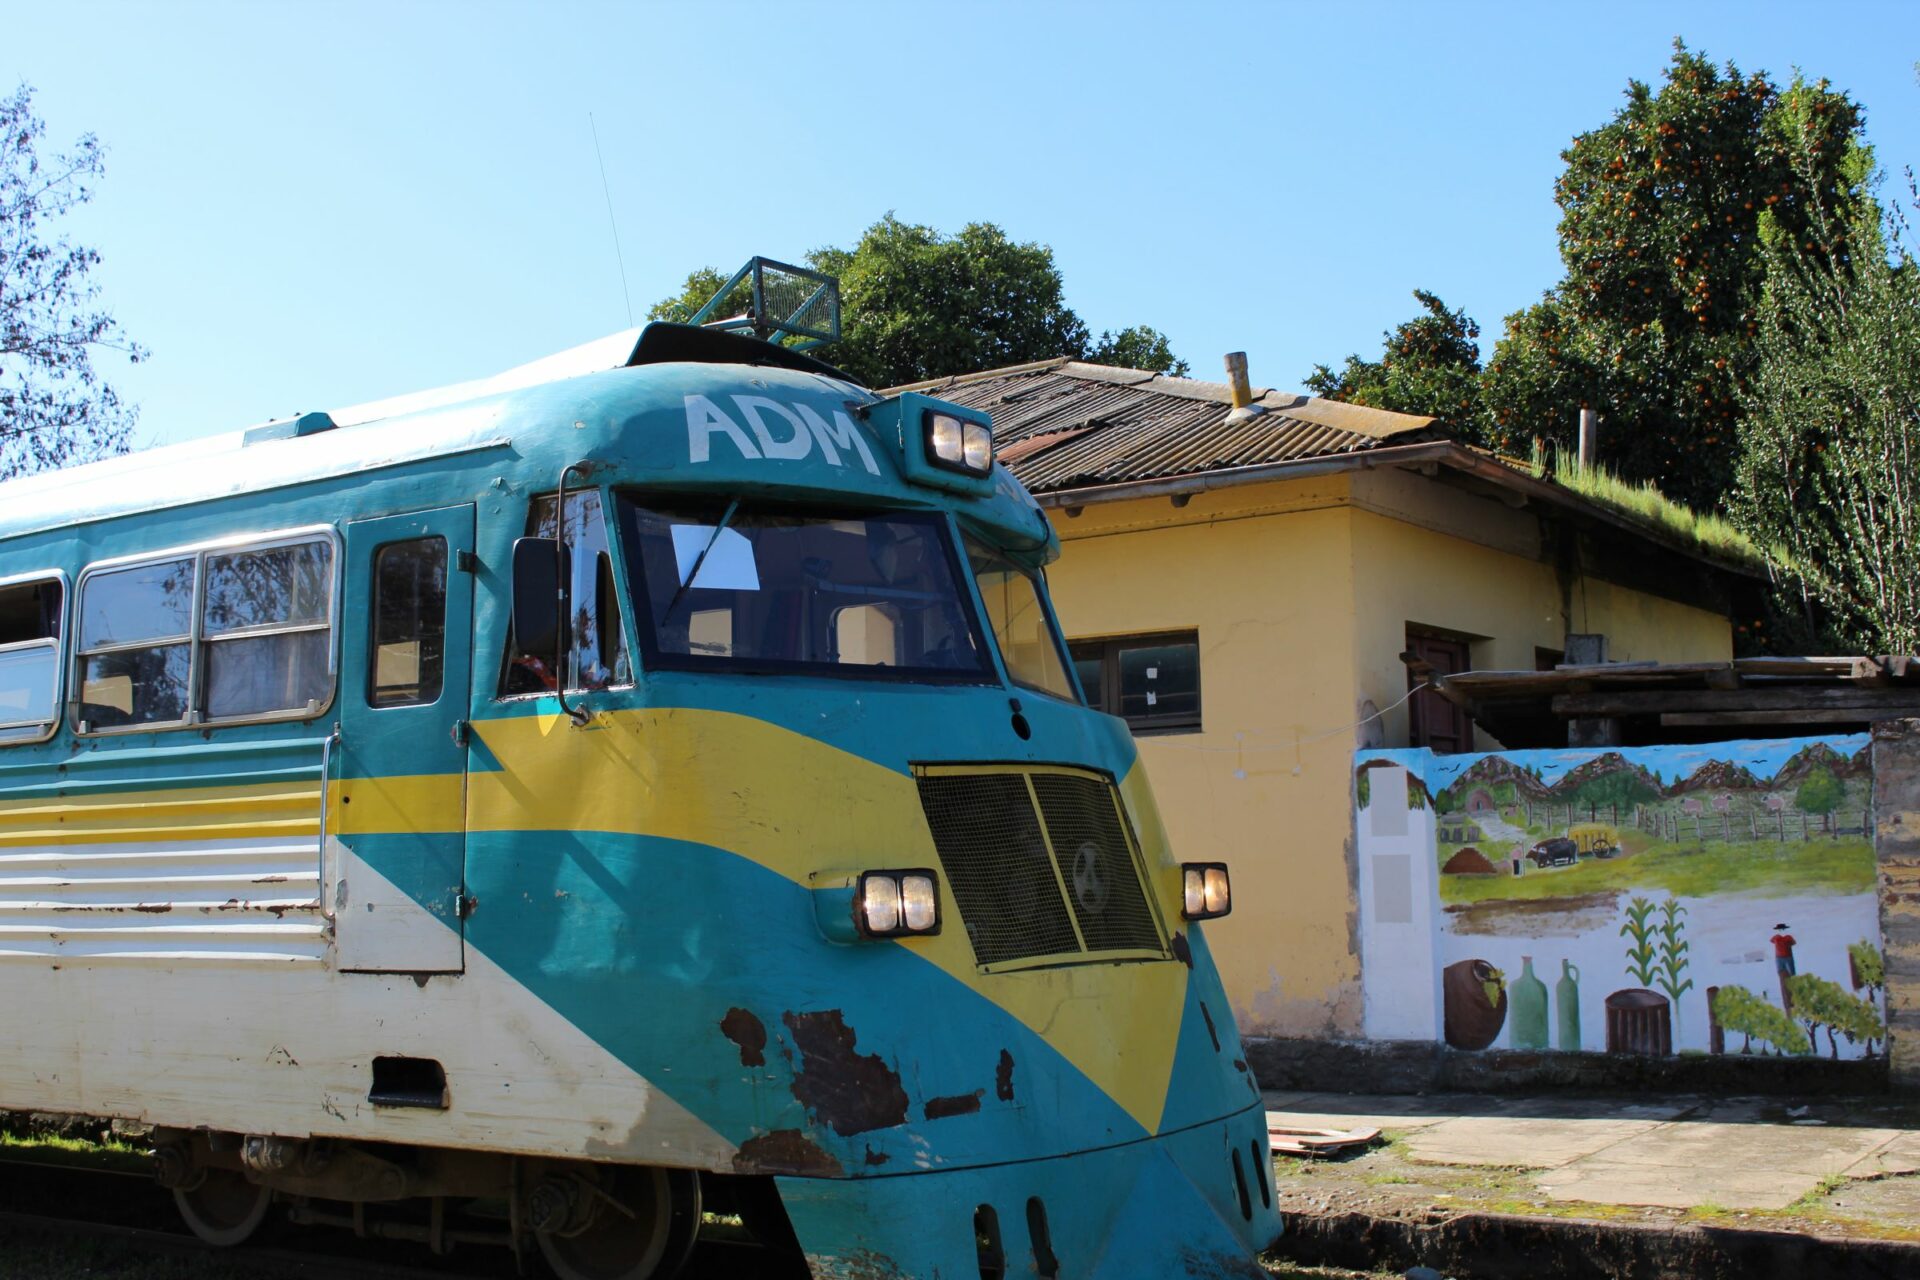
pixel 794 432
pixel 704 418
pixel 795 446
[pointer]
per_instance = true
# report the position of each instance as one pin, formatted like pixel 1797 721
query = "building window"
pixel 409 633
pixel 1152 682
pixel 30 614
pixel 1432 721
pixel 259 646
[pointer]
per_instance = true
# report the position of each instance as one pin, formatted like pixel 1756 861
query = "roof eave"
pixel 1446 453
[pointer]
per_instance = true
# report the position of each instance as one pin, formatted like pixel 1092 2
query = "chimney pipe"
pixel 1243 405
pixel 1589 439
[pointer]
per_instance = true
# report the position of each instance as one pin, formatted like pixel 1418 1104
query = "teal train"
pixel 555 810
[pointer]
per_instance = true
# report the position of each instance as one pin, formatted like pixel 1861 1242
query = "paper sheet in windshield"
pixel 728 565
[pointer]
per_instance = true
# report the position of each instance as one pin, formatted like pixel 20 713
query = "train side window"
pixel 30 616
pixel 135 633
pixel 409 628
pixel 266 621
pixel 598 658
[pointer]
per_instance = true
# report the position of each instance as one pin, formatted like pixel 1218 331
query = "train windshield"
pixel 726 587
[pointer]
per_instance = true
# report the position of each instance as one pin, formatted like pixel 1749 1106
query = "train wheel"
pixel 223 1208
pixel 641 1228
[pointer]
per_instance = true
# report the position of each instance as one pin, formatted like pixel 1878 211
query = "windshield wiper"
pixel 726 518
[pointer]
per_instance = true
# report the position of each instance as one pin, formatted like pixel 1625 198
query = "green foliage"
pixel 1822 1004
pixel 1819 792
pixel 1492 985
pixel 1430 366
pixel 1741 1011
pixel 1869 965
pixel 917 304
pixel 1363 787
pixel 55 409
pixel 1139 347
pixel 1830 437
pixel 1644 501
pixel 1637 930
pixel 1660 232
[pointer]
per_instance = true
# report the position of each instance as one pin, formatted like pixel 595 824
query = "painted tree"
pixel 1741 1011
pixel 917 304
pixel 1821 1004
pixel 1819 793
pixel 55 408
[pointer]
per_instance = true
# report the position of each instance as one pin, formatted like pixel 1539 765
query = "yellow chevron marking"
pixel 796 805
pixel 253 811
pixel 415 804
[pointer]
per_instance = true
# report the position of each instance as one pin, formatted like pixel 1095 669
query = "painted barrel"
pixel 1639 1021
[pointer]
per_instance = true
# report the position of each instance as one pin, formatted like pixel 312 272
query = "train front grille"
pixel 1041 864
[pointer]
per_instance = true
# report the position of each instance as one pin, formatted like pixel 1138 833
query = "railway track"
pixel 55 1201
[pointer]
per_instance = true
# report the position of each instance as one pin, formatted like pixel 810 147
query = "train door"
pixel 397 890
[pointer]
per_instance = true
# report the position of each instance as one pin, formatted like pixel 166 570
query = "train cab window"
pixel 136 644
pixel 30 616
pixel 598 657
pixel 249 626
pixel 742 589
pixel 1029 644
pixel 409 629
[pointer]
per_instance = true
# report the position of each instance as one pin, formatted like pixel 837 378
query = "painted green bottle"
pixel 1566 1007
pixel 1527 1006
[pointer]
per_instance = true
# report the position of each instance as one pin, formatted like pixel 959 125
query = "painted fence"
pixel 1649 900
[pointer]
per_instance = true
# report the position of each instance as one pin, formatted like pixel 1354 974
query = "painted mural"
pixel 1648 900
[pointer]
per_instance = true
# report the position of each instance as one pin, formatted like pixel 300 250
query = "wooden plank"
pixel 1773 698
pixel 1722 719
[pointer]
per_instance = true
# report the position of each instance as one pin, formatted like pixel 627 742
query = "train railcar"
pixel 537 812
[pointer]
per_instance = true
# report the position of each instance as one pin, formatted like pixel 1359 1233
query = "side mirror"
pixel 542 576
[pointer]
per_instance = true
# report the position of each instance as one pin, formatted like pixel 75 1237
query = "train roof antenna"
pixel 611 221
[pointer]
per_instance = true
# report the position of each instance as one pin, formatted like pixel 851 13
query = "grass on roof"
pixel 1645 502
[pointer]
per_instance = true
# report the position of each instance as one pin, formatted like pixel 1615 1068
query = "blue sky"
pixel 312 205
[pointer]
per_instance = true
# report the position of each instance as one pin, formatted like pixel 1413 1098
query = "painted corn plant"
pixel 1672 952
pixel 1641 955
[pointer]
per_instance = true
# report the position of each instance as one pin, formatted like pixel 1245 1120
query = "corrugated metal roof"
pixel 1061 424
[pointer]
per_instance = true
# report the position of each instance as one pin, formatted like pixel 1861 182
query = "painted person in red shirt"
pixel 1783 943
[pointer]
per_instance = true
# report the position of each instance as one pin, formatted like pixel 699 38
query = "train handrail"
pixel 327 745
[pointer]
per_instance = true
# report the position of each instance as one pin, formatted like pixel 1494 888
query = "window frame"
pixel 60 648
pixel 196 640
pixel 1109 654
pixel 617 566
pixel 1037 579
pixel 653 658
pixel 447 557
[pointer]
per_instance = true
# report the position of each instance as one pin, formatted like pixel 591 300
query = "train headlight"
pixel 893 904
pixel 1207 892
pixel 958 444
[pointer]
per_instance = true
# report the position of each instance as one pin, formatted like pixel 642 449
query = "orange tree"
pixel 1661 210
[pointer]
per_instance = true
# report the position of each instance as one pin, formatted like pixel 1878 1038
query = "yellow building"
pixel 1257 591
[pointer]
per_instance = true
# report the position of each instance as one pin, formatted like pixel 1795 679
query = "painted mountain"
pixel 1717 775
pixel 1817 755
pixel 1490 772
pixel 1608 778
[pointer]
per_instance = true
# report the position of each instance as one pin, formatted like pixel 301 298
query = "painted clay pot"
pixel 1472 1021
